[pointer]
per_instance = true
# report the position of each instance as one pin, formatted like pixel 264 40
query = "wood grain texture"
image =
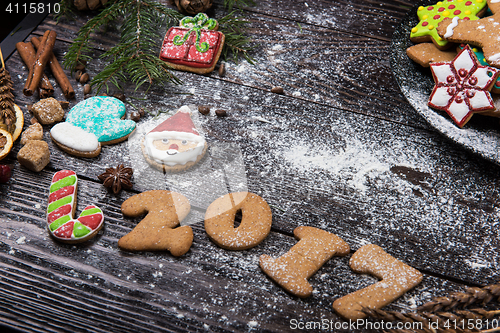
pixel 340 150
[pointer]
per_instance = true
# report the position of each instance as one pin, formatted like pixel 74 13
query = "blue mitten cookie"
pixel 101 116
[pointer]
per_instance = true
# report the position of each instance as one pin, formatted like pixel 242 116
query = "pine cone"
pixel 89 4
pixel 7 113
pixel 193 7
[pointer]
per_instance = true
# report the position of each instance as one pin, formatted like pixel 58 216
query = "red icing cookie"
pixel 195 46
pixel 462 86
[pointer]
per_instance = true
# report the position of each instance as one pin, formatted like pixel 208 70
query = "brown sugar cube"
pixel 48 111
pixel 34 132
pixel 35 155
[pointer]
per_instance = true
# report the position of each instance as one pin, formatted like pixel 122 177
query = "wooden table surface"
pixel 340 150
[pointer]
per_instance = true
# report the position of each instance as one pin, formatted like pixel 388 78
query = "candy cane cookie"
pixel 61 210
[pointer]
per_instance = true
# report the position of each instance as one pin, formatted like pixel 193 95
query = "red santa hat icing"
pixel 179 122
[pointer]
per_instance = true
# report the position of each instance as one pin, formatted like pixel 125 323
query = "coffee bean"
pixel 80 66
pixel 222 69
pixel 64 104
pixel 220 113
pixel 78 75
pixel 203 109
pixel 277 90
pixel 84 78
pixel 120 96
pixel 87 89
pixel 135 116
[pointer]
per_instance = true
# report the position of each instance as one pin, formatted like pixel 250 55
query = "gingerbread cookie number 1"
pixel 61 211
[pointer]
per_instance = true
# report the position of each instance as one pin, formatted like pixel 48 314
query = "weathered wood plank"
pixel 98 287
pixel 329 167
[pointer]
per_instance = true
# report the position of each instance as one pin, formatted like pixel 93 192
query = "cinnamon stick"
pixel 58 72
pixel 28 53
pixel 41 60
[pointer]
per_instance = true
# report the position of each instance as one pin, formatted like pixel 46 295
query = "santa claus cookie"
pixel 174 145
pixel 195 46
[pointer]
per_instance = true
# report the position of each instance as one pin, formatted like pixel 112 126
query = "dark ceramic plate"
pixel 481 134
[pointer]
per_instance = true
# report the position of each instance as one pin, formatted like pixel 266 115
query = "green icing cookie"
pixel 430 17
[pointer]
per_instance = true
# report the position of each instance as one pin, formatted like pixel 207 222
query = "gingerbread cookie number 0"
pixel 255 223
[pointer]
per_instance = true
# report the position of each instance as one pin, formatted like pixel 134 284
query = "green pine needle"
pixel 236 42
pixel 66 9
pixel 229 4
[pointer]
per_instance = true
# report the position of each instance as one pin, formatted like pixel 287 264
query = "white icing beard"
pixel 173 157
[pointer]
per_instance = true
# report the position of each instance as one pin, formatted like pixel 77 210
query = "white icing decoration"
pixel 459 110
pixel 442 72
pixel 180 158
pixel 480 100
pixel 440 97
pixel 494 58
pixel 74 137
pixel 463 61
pixel 449 29
pixel 494 1
pixel 466 93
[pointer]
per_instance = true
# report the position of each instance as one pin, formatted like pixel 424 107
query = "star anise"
pixel 117 178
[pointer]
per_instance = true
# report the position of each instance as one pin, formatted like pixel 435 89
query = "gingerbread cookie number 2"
pixel 61 210
pixel 165 210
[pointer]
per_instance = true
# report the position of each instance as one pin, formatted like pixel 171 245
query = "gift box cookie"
pixel 195 46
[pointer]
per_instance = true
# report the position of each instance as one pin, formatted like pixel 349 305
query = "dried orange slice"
pixel 15 122
pixel 5 143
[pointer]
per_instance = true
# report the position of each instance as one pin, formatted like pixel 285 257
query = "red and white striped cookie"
pixel 61 211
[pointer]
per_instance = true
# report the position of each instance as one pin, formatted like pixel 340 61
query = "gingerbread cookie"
pixel 255 222
pixel 482 33
pixel 431 16
pixel 174 145
pixel 195 46
pixel 61 210
pixel 425 53
pixel 397 278
pixel 462 86
pixel 292 269
pixel 157 231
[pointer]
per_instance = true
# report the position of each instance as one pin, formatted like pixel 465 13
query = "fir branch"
pixel 80 47
pixel 132 58
pixel 236 42
pixel 66 9
pixel 229 4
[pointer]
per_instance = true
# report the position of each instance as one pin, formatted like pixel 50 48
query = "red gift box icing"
pixel 187 54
